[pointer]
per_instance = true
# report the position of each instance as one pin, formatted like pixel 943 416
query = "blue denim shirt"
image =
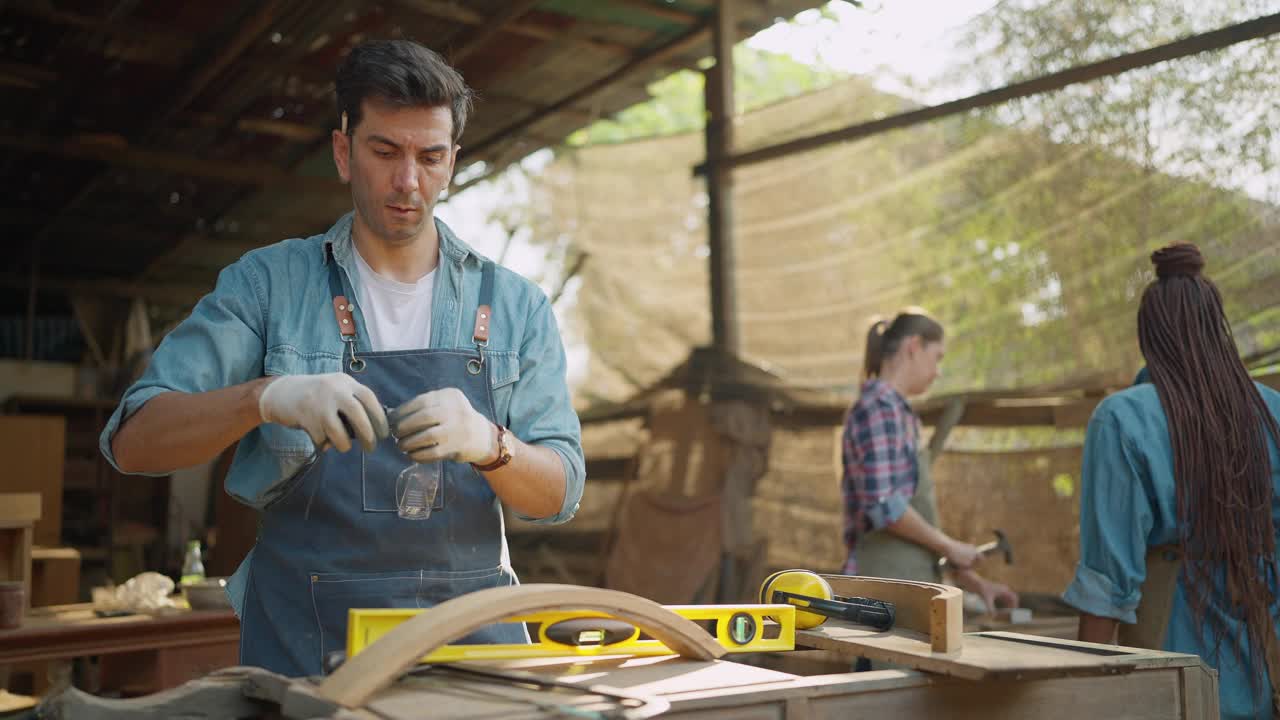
pixel 271 313
pixel 1128 504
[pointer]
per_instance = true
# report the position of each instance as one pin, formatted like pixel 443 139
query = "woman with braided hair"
pixel 1180 497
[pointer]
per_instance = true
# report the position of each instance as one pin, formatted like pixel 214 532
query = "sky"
pixel 881 38
pixel 885 39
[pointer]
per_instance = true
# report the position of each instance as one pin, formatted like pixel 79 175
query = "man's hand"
pixel 320 403
pixel 992 593
pixel 442 425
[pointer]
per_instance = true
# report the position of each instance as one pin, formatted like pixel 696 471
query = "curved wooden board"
pixel 930 608
pixel 352 684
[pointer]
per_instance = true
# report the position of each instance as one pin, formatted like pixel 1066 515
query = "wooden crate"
pixel 34 449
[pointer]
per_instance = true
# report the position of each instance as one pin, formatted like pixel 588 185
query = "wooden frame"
pixel 18 515
pixel 370 671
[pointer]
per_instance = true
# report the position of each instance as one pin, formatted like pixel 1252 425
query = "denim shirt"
pixel 271 313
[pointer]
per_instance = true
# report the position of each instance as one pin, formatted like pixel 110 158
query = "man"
pixel 387 332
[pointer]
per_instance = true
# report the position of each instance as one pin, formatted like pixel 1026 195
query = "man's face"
pixel 398 161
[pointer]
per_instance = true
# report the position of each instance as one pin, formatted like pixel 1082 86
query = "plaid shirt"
pixel 879 450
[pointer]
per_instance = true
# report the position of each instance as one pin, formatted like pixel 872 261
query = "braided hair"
pixel 1217 425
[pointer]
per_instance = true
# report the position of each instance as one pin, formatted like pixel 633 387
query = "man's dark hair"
pixel 400 72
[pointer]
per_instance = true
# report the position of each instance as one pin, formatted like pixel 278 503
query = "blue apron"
pixel 334 540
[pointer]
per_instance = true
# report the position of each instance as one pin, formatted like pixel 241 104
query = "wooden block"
pixel 19 509
pixel 55 576
pixel 931 609
pixel 34 450
pixel 13 703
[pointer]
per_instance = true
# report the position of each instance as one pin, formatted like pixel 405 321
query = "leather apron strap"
pixel 1164 563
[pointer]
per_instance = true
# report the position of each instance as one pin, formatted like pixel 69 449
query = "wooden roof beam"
pixel 169 294
pixel 44 11
pixel 284 129
pixel 114 150
pixel 666 12
pixel 1192 45
pixel 480 36
pixel 457 13
pixel 245 36
pixel 13 74
pixel 645 58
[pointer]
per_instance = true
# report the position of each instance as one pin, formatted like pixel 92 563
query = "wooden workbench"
pixel 140 653
pixel 978 676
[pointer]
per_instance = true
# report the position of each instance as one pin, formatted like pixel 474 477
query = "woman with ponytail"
pixel 890 516
pixel 1180 497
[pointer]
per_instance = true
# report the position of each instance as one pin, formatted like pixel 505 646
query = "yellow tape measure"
pixel 738 628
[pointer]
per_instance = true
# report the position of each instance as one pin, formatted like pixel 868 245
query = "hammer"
pixel 1001 543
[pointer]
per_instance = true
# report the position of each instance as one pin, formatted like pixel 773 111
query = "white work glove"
pixel 320 403
pixel 442 425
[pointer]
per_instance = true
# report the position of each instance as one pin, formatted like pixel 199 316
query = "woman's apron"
pixel 880 553
pixel 334 541
pixel 1164 566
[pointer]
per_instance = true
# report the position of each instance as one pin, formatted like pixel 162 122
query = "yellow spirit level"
pixel 738 628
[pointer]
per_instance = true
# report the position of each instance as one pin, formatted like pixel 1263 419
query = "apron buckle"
pixel 356 364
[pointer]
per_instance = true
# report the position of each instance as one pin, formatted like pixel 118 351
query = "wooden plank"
pixel 1199 688
pixel 933 611
pixel 55 576
pixel 1144 695
pixel 642 677
pixel 986 656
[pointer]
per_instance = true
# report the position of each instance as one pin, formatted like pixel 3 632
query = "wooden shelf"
pixel 57 404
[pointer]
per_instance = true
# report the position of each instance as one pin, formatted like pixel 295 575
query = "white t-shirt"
pixel 397 315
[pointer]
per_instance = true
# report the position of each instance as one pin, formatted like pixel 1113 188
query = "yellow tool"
pixel 739 628
pixel 809 592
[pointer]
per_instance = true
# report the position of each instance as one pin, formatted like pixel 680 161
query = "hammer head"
pixel 1002 545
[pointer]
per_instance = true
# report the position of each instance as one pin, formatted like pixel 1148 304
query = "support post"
pixel 33 282
pixel 719 141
